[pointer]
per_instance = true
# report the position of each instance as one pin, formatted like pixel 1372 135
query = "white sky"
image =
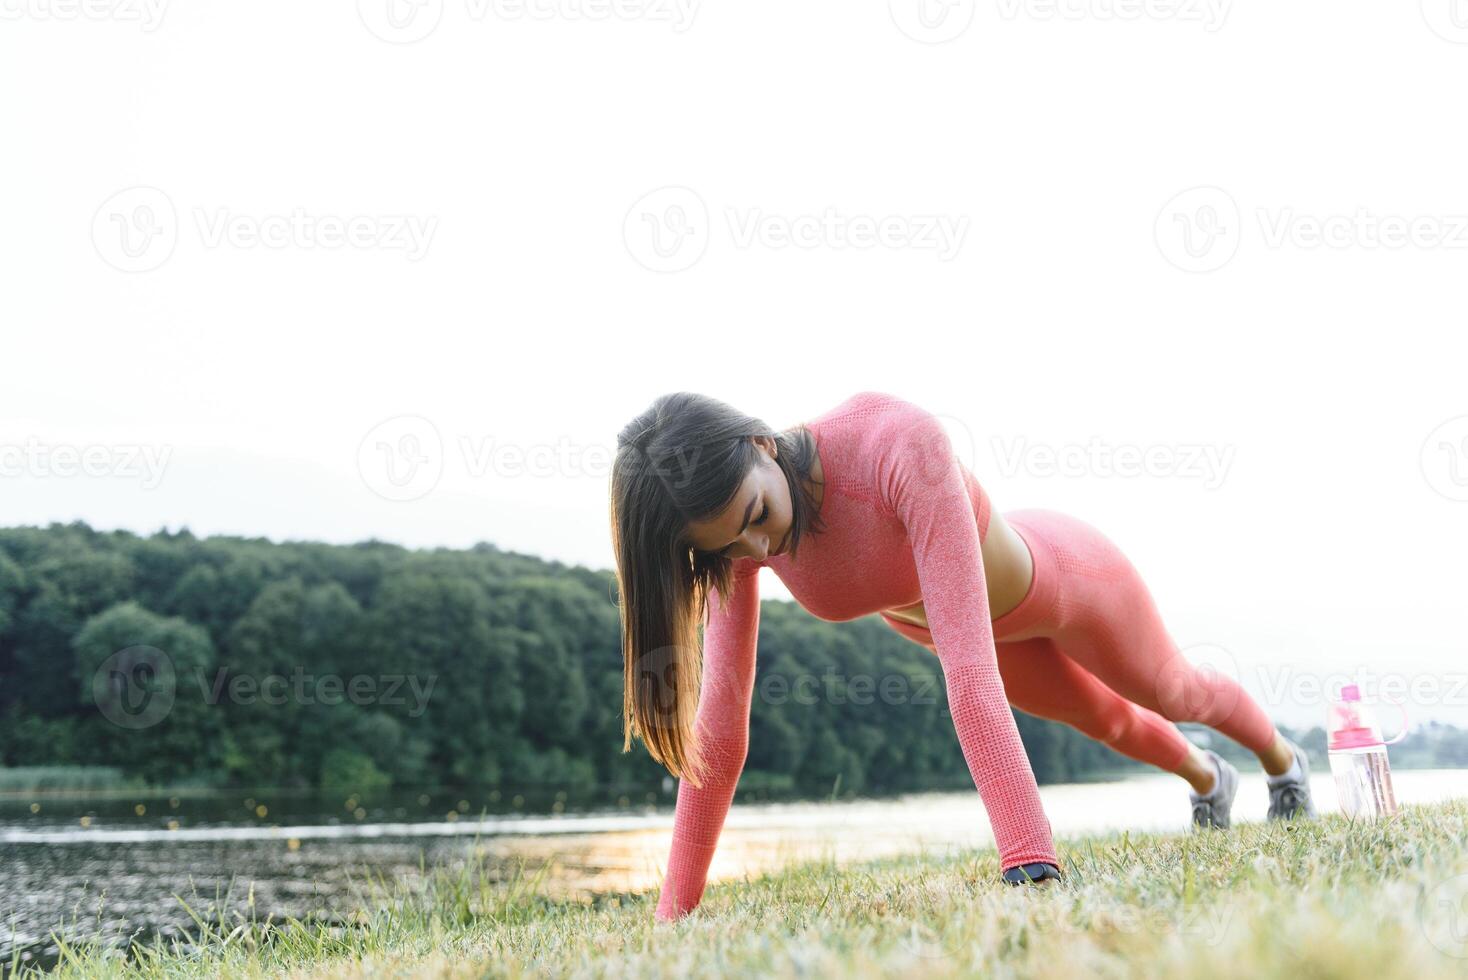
pixel 1063 306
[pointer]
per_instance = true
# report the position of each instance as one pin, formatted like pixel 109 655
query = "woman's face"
pixel 756 523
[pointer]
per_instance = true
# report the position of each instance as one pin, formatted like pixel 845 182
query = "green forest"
pixel 371 665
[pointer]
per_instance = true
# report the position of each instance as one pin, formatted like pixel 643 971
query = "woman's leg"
pixel 1041 681
pixel 1100 614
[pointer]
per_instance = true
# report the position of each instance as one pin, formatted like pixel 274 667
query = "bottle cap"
pixel 1350 723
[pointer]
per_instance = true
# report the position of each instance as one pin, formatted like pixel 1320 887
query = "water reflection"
pixel 759 838
pixel 115 877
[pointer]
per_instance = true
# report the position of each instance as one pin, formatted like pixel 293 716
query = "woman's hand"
pixel 1038 873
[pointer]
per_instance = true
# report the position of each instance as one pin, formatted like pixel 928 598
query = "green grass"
pixel 47 779
pixel 1314 899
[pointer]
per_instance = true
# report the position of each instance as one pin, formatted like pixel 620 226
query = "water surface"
pixel 110 868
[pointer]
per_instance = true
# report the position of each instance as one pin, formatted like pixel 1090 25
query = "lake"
pixel 109 866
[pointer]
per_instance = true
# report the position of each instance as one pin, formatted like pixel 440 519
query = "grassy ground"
pixel 1315 899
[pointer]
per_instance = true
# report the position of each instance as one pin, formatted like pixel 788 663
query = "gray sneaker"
pixel 1292 799
pixel 1213 810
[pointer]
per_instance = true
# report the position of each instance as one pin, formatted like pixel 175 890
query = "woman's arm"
pixel 730 638
pixel 919 479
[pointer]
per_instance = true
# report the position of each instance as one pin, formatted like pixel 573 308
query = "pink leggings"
pixel 1087 647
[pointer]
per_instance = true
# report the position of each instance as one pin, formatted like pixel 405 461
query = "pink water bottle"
pixel 1363 777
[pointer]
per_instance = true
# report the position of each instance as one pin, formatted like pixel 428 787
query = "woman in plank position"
pixel 1032 608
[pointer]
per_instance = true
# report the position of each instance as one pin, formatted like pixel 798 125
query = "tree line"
pixel 244 662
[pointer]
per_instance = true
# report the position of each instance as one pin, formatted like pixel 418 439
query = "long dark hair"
pixel 683 460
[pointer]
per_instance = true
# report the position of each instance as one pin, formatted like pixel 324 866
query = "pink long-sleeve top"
pixel 904 521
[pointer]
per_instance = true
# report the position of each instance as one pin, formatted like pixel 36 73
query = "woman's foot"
pixel 1212 809
pixel 1289 792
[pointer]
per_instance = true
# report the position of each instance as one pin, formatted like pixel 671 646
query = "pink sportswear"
pixel 904 520
pixel 899 511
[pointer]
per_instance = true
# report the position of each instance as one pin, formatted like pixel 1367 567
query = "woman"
pixel 1033 609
